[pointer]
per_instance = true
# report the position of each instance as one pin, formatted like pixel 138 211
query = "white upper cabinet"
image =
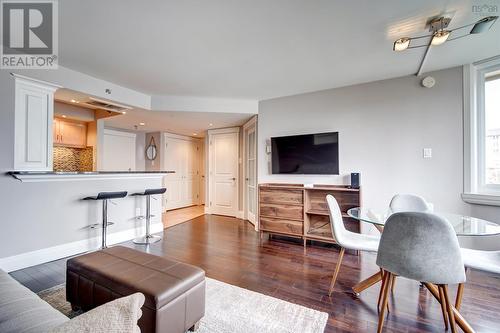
pixel 34 108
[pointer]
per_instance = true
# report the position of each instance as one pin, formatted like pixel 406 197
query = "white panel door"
pixel 190 192
pixel 223 188
pixel 174 160
pixel 201 175
pixel 118 151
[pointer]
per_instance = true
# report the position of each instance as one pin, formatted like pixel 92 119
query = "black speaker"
pixel 355 180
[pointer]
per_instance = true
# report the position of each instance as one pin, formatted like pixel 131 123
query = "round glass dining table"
pixel 463 225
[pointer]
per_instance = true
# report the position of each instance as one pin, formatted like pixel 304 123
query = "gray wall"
pixel 383 127
pixel 46 214
pixel 154 165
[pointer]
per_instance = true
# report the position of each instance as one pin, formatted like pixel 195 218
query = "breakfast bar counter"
pixel 42 176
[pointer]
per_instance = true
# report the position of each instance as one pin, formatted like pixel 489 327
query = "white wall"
pixel 383 127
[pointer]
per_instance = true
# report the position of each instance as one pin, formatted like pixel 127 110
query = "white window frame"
pixel 476 191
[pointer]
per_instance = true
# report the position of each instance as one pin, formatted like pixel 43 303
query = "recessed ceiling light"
pixel 210 124
pixel 142 124
pixel 64 116
pixel 401 44
pixel 195 133
pixel 74 101
pixel 124 112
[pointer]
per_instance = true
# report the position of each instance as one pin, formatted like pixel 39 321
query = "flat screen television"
pixel 308 154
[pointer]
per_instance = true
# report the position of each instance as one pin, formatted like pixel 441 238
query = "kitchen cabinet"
pixel 34 110
pixel 69 133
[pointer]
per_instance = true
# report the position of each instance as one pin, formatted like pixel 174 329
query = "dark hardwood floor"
pixel 230 250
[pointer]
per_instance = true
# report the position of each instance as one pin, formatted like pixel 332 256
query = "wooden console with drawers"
pixel 297 211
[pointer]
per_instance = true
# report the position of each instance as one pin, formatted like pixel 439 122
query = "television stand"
pixel 302 212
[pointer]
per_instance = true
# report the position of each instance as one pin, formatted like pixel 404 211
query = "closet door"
pixel 174 160
pixel 191 183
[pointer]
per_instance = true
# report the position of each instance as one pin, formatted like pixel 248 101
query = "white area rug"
pixel 231 309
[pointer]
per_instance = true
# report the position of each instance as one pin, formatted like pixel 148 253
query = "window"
pixel 492 128
pixel 482 132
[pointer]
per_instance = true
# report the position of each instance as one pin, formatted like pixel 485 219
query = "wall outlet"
pixel 427 152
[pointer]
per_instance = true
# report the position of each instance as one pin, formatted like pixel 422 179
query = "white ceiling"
pixel 258 49
pixel 178 122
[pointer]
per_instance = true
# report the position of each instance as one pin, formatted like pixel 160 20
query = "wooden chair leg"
pixel 393 283
pixel 451 315
pixel 460 293
pixel 336 273
pixel 385 296
pixel 382 286
pixel 444 307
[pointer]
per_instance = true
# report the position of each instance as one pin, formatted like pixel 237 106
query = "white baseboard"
pixel 23 260
pixel 239 214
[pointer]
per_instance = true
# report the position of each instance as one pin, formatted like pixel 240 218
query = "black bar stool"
pixel 105 196
pixel 148 238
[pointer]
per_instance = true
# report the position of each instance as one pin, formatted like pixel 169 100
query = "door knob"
pixel 233 178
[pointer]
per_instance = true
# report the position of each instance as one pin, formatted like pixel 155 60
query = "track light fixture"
pixel 440 34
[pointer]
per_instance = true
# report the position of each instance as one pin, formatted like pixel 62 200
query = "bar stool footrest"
pixel 146 240
pixel 99 225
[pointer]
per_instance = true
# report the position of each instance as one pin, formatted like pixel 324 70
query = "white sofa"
pixel 21 310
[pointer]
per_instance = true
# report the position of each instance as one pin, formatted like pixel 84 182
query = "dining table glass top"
pixel 463 225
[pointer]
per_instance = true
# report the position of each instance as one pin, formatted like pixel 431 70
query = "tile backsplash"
pixel 73 159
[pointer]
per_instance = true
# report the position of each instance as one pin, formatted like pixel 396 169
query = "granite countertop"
pixel 36 173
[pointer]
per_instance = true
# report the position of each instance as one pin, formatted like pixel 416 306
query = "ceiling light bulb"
pixel 195 133
pixel 440 37
pixel 210 124
pixel 142 124
pixel 64 116
pixel 73 101
pixel 401 44
pixel 124 112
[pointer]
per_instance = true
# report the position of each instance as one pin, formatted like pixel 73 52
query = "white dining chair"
pixel 346 239
pixel 409 203
pixel 486 261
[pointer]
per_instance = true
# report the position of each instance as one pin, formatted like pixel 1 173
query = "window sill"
pixel 487 199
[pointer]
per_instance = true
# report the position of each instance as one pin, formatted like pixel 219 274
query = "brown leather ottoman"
pixel 175 292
